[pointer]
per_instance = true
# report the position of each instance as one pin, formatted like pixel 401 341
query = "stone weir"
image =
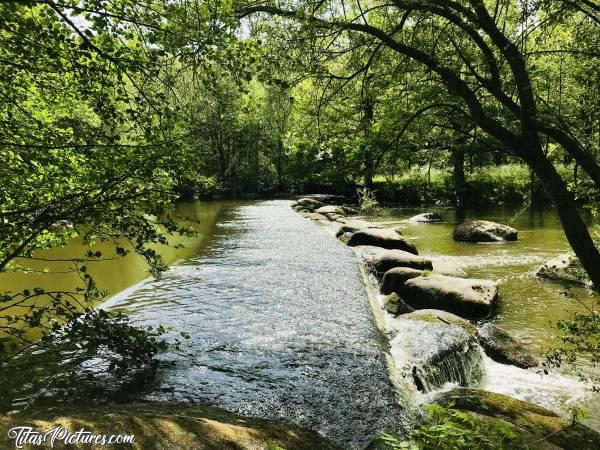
pixel 281 328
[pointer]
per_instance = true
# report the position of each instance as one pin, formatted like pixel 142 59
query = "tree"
pixel 488 72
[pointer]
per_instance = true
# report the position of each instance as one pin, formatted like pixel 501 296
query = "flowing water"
pixel 281 326
pixel 528 307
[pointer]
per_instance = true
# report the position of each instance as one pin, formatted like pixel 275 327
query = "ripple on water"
pixel 280 328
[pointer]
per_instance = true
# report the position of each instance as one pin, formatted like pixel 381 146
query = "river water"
pixel 280 327
pixel 280 323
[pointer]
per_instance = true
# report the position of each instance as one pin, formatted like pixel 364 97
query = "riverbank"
pixel 161 426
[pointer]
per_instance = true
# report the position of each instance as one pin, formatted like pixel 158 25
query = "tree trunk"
pixel 575 229
pixel 458 174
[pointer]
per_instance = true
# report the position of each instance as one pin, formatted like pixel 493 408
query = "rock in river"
pixel 383 261
pixel 395 305
pixel 395 278
pixel 534 425
pixel 352 226
pixel 470 298
pixel 386 238
pixel 565 267
pixel 502 347
pixel 484 231
pixel 434 348
pixel 428 217
pixel 310 203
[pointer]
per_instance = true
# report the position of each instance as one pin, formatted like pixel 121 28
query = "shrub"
pixel 450 429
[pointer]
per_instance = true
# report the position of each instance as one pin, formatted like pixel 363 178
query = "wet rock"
pixel 428 217
pixel 354 225
pixel 484 231
pixel 384 237
pixel 434 352
pixel 395 305
pixel 331 209
pixel 314 216
pixel 437 316
pixel 449 268
pixel 470 298
pixel 533 423
pixel 342 220
pixel 310 203
pixel 565 267
pixel 395 278
pixel 502 347
pixel 381 262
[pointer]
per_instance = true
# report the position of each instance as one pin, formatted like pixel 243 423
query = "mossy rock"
pixel 395 305
pixel 540 425
pixel 438 316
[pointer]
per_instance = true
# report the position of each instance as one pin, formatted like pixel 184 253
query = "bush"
pixel 450 429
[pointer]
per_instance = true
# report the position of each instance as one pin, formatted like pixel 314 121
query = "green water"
pixel 528 306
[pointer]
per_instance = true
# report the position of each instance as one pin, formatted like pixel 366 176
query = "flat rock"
pixel 351 226
pixel 471 298
pixel 504 348
pixel 382 237
pixel 565 267
pixel 484 231
pixel 383 261
pixel 428 217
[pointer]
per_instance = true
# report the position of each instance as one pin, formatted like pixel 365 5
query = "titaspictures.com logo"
pixel 25 435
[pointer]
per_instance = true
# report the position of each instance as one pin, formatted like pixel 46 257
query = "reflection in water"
pixel 280 327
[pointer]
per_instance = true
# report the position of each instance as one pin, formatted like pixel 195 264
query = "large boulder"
pixel 383 237
pixel 383 261
pixel 310 203
pixel 484 231
pixel 565 267
pixel 434 348
pixel 428 217
pixel 395 278
pixel 470 298
pixel 537 426
pixel 504 348
pixel 354 225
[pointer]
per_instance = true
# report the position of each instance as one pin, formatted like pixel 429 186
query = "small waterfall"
pixel 433 354
pixel 461 367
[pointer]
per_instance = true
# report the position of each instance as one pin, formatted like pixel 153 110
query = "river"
pixel 281 325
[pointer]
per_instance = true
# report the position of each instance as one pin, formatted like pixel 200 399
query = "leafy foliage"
pixel 452 429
